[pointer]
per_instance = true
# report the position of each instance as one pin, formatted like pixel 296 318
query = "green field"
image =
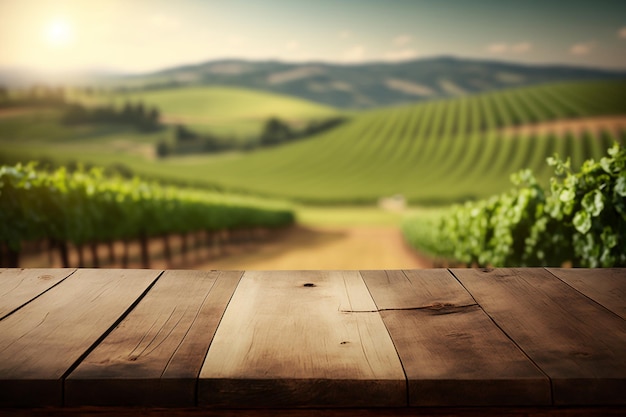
pixel 225 111
pixel 432 153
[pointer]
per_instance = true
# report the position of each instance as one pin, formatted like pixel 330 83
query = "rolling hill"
pixel 221 110
pixel 368 85
pixel 437 152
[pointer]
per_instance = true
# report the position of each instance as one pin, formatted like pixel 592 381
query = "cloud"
pixel 583 48
pixel 164 22
pixel 504 48
pixel 402 40
pixel 354 54
pixel 401 55
pixel 622 33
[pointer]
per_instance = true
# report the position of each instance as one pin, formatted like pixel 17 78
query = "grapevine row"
pixel 434 152
pixel 84 208
pixel 580 219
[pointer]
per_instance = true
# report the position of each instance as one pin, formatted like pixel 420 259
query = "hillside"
pixel 367 85
pixel 432 153
pixel 221 110
pixel 436 152
pixel 353 86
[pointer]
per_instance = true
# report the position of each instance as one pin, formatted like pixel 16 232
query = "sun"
pixel 58 33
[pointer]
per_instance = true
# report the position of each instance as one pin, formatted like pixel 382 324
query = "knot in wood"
pixel 309 284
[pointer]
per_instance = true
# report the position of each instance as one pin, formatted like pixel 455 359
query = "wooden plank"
pixel 580 345
pixel 42 341
pixel 614 411
pixel 415 289
pixel 452 353
pixel 605 286
pixel 154 356
pixel 19 286
pixel 302 339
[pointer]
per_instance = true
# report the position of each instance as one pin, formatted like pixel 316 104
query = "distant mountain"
pixel 373 84
pixel 364 85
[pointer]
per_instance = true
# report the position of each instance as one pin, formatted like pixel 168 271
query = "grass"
pixel 420 151
pixel 348 216
pixel 225 111
pixel 432 153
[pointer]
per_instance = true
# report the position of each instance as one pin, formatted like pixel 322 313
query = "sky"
pixel 147 35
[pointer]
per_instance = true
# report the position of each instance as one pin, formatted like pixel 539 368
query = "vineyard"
pixel 581 219
pixel 85 209
pixel 436 152
pixel 433 153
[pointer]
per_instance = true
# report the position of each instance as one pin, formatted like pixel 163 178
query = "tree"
pixel 181 133
pixel 150 120
pixel 154 116
pixel 275 132
pixel 139 114
pixel 127 113
pixel 163 149
pixel 4 93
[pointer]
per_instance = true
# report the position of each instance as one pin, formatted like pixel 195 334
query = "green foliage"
pixel 581 219
pixel 84 206
pixel 275 132
pixel 434 153
pixel 223 111
pixel 35 96
pixel 134 115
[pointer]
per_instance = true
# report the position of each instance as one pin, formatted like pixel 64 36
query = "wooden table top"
pixel 529 337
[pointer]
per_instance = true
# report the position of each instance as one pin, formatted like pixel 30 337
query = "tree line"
pixel 134 114
pixel 275 132
pixel 137 115
pixel 36 95
pixel 147 119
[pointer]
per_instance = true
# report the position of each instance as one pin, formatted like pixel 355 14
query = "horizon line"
pixel 95 70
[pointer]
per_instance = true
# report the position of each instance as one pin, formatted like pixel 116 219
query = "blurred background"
pixel 366 120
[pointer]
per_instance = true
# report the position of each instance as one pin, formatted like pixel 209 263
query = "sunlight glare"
pixel 58 33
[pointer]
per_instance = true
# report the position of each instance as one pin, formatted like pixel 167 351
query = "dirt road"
pixel 297 248
pixel 613 124
pixel 324 248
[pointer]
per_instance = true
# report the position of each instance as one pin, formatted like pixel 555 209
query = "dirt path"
pixel 325 248
pixel 359 247
pixel 576 126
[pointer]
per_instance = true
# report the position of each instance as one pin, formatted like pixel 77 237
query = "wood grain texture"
pixel 19 286
pixel 153 357
pixel 580 345
pixel 302 339
pixel 317 412
pixel 41 341
pixel 415 289
pixel 452 353
pixel 605 286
